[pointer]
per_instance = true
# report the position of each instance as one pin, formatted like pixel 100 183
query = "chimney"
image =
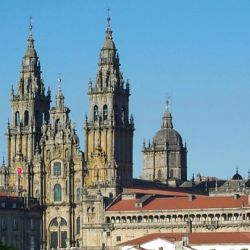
pixel 191 197
pixel 236 196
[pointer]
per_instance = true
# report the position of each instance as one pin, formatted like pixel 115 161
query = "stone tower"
pixel 58 170
pixel 108 129
pixel 29 109
pixel 165 159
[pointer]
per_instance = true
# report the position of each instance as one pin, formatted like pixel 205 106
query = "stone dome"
pixel 167 134
pixel 170 136
pixel 108 44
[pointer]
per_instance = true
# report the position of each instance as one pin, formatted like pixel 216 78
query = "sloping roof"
pixel 195 238
pixel 157 191
pixel 166 203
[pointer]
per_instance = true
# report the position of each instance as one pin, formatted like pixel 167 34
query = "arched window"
pixel 48 154
pixel 17 118
pixel 28 86
pixel 123 113
pixel 26 118
pixel 105 112
pixel 67 153
pixel 57 192
pixel 57 125
pixel 58 233
pixel 78 225
pixel 57 169
pixel 95 113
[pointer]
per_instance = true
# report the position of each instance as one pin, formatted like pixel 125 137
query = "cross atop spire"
pixel 59 83
pixel 59 96
pixel 108 31
pixel 108 17
pixel 167 117
pixel 167 103
pixel 30 26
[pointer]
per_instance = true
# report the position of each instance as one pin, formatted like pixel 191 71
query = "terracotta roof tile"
pixel 195 238
pixel 169 192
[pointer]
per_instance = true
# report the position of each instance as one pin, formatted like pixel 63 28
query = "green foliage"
pixel 5 247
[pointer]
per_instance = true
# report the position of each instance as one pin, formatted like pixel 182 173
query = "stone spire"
pixel 109 76
pixel 59 96
pixel 30 82
pixel 167 117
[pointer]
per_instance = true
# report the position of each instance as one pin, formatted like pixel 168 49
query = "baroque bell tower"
pixel 108 129
pixel 29 109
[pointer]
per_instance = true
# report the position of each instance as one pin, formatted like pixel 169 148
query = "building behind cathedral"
pixel 90 199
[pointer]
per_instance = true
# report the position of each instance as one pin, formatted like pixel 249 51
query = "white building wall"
pixel 221 246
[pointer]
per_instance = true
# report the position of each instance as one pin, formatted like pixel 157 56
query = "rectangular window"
pixel 4 224
pixel 14 224
pixel 32 224
pixel 53 240
pixel 57 169
pixel 118 238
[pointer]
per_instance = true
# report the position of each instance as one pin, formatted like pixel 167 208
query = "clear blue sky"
pixel 197 52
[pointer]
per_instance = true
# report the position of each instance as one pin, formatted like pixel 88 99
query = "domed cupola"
pixel 167 135
pixel 165 159
pixel 237 176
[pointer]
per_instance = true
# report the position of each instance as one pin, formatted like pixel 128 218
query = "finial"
pixel 108 31
pixel 237 170
pixel 30 26
pixel 59 82
pixel 167 101
pixel 108 17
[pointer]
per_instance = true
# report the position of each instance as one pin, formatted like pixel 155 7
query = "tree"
pixel 5 247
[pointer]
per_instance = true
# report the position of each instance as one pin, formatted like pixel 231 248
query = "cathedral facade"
pixel 44 157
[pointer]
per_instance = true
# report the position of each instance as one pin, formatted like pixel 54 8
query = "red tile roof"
pixel 169 192
pixel 167 203
pixel 7 194
pixel 195 238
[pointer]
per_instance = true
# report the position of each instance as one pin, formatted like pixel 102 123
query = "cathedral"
pixel 90 199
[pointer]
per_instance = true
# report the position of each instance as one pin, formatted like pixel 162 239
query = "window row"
pixel 40 117
pixel 104 115
pixel 179 218
pixel 12 224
